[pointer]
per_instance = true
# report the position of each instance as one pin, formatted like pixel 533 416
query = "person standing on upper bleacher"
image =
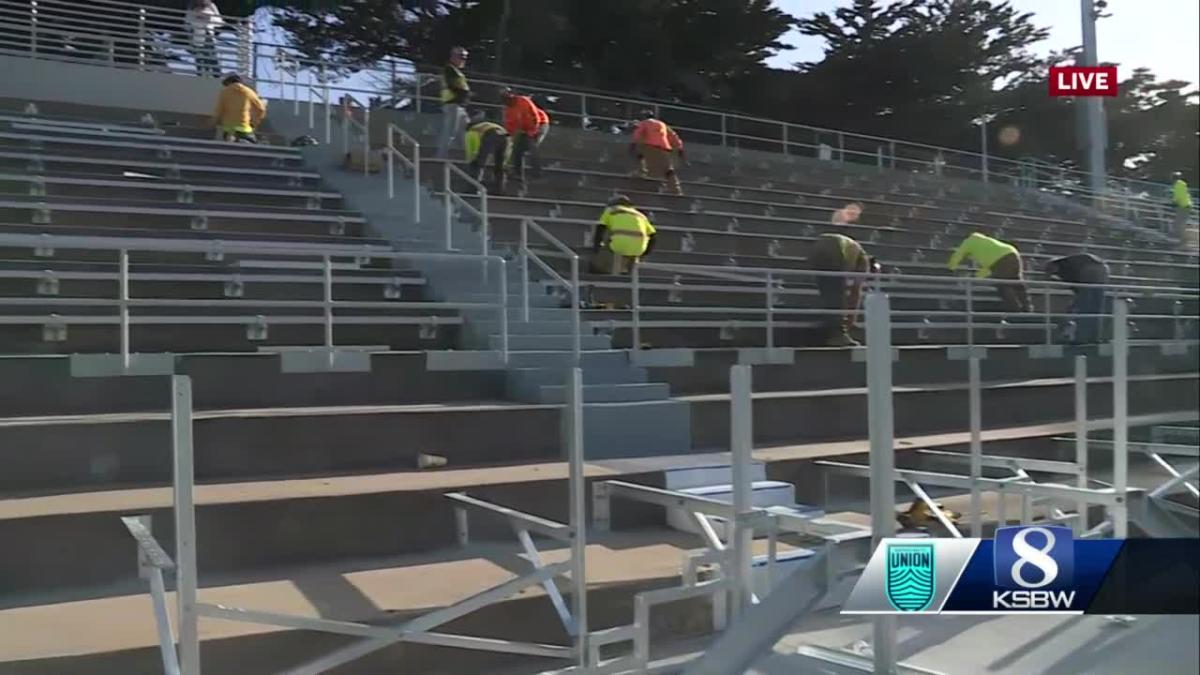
pixel 838 253
pixel 1091 276
pixel 203 19
pixel 456 93
pixel 997 260
pixel 1181 198
pixel 655 145
pixel 527 126
pixel 239 111
pixel 486 140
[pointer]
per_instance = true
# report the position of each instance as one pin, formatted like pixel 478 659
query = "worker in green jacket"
pixel 1182 199
pixel 627 231
pixel 486 140
pixel 833 252
pixel 455 95
pixel 998 260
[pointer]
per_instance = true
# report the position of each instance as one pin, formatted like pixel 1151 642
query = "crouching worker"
pixel 485 141
pixel 239 111
pixel 1090 274
pixel 997 260
pixel 628 233
pixel 839 253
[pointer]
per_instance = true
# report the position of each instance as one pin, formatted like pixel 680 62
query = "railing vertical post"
pixel 841 140
pixel 312 104
pixel 635 304
pixel 1046 305
pixel 417 92
pixel 1120 389
pixel 892 152
pixel 583 111
pixel 416 196
pixel 1081 441
pixel 576 338
pixel 741 445
pixel 879 157
pixel 503 308
pixel 883 467
pixel 391 165
pixel 975 410
pixel 448 204
pixel 366 142
pixel 771 311
pixel 141 37
pixel 724 131
pixel 183 481
pixel 786 150
pixel 327 269
pixel 525 270
pixel 983 146
pixel 296 87
pixel 33 27
pixel 328 111
pixel 970 314
pixel 124 307
pixel 577 489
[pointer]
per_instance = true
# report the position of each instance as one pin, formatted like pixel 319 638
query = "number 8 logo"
pixel 1028 555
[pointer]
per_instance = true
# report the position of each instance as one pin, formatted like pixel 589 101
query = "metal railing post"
pixel 635 303
pixel 416 182
pixel 1081 441
pixel 366 142
pixel 449 205
pixel 892 152
pixel 577 512
pixel 503 308
pixel 879 157
pixel 576 341
pixel 328 108
pixel 141 37
pixel 724 131
pixel 33 27
pixel 327 269
pixel 124 307
pixel 786 151
pixel 525 270
pixel 583 112
pixel 975 396
pixel 970 313
pixel 771 311
pixel 1046 301
pixel 391 166
pixel 1120 393
pixel 184 483
pixel 741 445
pixel 883 448
pixel 841 141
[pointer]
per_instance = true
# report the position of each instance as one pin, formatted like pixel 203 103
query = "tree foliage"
pixel 921 70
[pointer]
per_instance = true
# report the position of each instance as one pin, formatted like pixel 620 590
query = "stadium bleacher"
pixel 248 265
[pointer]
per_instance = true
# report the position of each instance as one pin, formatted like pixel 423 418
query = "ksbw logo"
pixel 1035 567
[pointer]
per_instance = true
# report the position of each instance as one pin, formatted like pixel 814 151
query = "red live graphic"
pixel 1083 80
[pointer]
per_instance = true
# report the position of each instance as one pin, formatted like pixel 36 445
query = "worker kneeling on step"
pixel 839 253
pixel 628 233
pixel 486 140
pixel 997 260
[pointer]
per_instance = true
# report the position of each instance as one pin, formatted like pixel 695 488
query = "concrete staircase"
pixel 626 415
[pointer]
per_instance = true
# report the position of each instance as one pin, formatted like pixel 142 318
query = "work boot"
pixel 841 340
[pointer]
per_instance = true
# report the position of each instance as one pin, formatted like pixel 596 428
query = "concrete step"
pixel 543 358
pixel 550 342
pixel 637 429
pixel 608 393
pixel 619 373
pixel 488 327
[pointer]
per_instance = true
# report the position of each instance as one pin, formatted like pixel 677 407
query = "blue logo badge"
pixel 1037 557
pixel 909 583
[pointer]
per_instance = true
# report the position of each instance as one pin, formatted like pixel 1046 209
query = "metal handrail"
pixel 414 165
pixel 45 245
pixel 452 198
pixel 572 287
pixel 364 128
pixel 318 90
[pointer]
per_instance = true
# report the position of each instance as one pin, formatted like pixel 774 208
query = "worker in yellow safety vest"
pixel 486 140
pixel 997 260
pixel 239 111
pixel 833 252
pixel 1182 200
pixel 628 233
pixel 456 93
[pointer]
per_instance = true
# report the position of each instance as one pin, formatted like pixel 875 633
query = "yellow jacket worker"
pixel 629 233
pixel 485 141
pixel 239 110
pixel 998 260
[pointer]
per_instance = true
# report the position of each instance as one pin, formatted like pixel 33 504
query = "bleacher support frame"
pixel 181 654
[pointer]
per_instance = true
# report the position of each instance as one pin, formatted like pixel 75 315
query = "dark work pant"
pixel 1088 300
pixel 1012 296
pixel 826 256
pixel 492 146
pixel 526 146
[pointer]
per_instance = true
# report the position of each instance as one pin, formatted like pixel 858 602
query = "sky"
pixel 1163 35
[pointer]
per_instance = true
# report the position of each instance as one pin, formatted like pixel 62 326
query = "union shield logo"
pixel 910 576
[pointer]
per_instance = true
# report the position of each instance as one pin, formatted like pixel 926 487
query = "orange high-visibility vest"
pixel 656 134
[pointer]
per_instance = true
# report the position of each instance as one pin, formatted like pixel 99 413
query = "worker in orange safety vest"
pixel 655 145
pixel 527 125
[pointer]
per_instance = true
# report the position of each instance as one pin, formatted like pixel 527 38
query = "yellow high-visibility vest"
pixel 629 230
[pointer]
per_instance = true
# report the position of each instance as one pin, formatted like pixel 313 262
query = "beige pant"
pixel 659 163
